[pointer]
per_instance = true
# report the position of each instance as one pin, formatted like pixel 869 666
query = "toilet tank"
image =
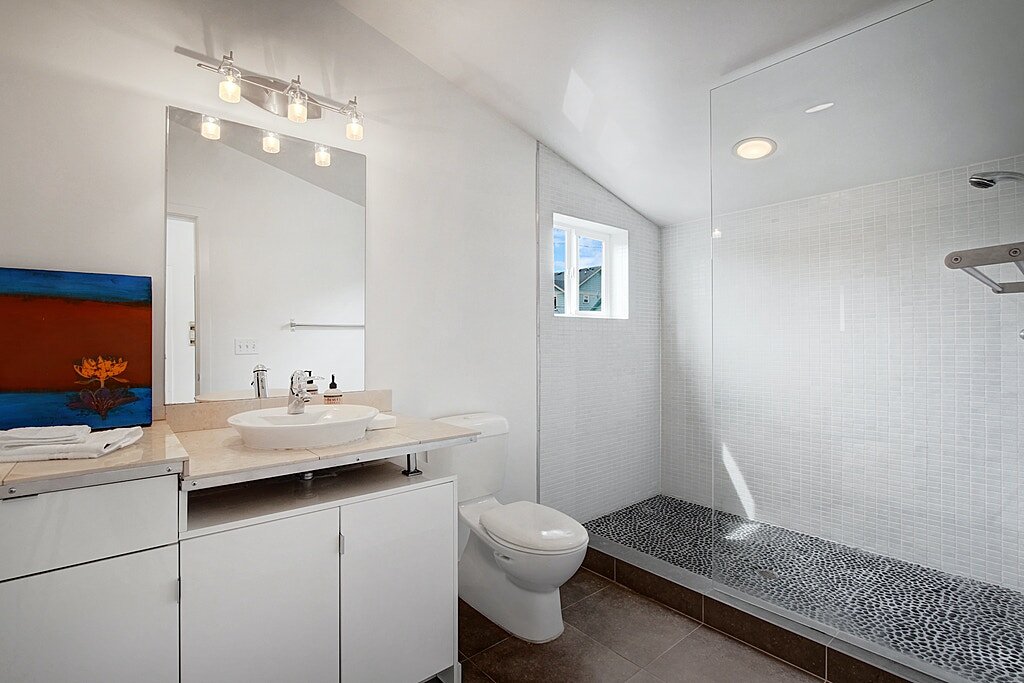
pixel 480 466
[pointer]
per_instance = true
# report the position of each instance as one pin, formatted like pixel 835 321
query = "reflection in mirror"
pixel 265 259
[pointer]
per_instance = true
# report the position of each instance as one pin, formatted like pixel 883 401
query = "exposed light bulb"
pixel 716 234
pixel 354 130
pixel 354 127
pixel 297 100
pixel 297 110
pixel 322 155
pixel 210 129
pixel 271 142
pixel 230 89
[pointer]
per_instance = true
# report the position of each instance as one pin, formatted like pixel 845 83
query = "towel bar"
pixel 969 260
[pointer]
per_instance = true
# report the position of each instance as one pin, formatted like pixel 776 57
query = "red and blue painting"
pixel 75 348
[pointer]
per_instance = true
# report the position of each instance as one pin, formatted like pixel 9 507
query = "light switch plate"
pixel 245 347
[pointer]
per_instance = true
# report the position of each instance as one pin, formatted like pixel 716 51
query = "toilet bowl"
pixel 513 558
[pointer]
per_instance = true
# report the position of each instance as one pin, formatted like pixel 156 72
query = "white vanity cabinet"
pixel 260 603
pixel 88 584
pixel 361 589
pixel 398 586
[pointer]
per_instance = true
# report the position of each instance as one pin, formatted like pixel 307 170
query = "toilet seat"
pixel 533 528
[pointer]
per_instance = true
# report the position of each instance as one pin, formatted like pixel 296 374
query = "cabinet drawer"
pixel 52 530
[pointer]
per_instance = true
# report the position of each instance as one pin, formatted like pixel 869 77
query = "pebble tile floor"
pixel 968 627
pixel 613 635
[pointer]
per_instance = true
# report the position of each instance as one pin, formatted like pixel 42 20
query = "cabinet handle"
pixel 341 544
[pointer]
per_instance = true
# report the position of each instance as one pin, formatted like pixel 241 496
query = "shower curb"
pixel 792 639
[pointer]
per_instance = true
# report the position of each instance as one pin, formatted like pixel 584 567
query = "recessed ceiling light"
pixel 754 148
pixel 819 107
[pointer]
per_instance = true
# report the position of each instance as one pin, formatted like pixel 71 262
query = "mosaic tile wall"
pixel 687 420
pixel 863 392
pixel 600 405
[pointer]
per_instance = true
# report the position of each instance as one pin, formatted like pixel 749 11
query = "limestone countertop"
pixel 214 455
pixel 218 455
pixel 158 446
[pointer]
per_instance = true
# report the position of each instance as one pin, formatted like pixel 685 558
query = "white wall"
pixel 600 407
pixel 451 186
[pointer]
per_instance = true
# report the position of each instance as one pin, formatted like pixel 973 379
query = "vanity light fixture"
pixel 754 148
pixel 282 98
pixel 297 102
pixel 354 127
pixel 819 107
pixel 210 128
pixel 271 142
pixel 230 90
pixel 322 155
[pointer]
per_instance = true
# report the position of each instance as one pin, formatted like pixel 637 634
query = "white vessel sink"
pixel 318 427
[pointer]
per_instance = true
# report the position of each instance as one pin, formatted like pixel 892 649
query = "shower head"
pixel 990 178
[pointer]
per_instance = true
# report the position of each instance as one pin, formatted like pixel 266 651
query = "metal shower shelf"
pixel 969 260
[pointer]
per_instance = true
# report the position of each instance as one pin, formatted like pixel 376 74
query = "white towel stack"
pixel 42 436
pixel 63 443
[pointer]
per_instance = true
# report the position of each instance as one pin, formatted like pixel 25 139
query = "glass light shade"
pixel 754 148
pixel 322 155
pixel 210 128
pixel 230 90
pixel 354 130
pixel 271 142
pixel 297 108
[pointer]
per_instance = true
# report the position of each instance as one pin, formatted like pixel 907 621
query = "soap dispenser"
pixel 332 396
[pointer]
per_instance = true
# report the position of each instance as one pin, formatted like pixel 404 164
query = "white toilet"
pixel 512 558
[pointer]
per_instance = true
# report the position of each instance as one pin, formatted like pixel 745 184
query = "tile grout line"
pixel 602 645
pixel 703 622
pixel 585 597
pixel 754 647
pixel 688 634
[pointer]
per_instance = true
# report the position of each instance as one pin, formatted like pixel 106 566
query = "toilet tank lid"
pixel 488 424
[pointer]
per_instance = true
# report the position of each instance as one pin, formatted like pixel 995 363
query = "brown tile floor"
pixel 613 634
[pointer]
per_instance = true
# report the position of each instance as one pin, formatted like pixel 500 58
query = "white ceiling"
pixel 617 87
pixel 937 88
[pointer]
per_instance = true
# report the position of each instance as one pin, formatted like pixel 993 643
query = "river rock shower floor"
pixel 968 627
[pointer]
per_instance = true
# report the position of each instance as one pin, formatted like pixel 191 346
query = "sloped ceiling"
pixel 617 87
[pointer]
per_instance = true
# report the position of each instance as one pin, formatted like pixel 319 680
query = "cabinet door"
pixel 398 586
pixel 260 603
pixel 111 620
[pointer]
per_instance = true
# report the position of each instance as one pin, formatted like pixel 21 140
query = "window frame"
pixel 614 267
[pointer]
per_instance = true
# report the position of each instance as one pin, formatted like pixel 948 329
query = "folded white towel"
pixel 95 445
pixel 41 436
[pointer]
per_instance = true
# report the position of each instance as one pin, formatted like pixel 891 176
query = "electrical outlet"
pixel 245 347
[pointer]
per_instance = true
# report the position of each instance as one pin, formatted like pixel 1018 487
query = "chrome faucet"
pixel 298 397
pixel 259 381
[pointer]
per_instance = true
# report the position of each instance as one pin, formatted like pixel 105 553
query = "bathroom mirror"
pixel 265 259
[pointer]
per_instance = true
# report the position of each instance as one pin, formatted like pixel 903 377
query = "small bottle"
pixel 332 397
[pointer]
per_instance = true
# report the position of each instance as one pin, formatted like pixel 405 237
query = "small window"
pixel 559 237
pixel 591 269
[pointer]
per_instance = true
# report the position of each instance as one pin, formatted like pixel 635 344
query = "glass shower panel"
pixel 868 442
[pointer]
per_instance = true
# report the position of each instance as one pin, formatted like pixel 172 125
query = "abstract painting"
pixel 76 349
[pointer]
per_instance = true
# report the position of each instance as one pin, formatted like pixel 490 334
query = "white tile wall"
pixel 866 393
pixel 600 404
pixel 687 418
